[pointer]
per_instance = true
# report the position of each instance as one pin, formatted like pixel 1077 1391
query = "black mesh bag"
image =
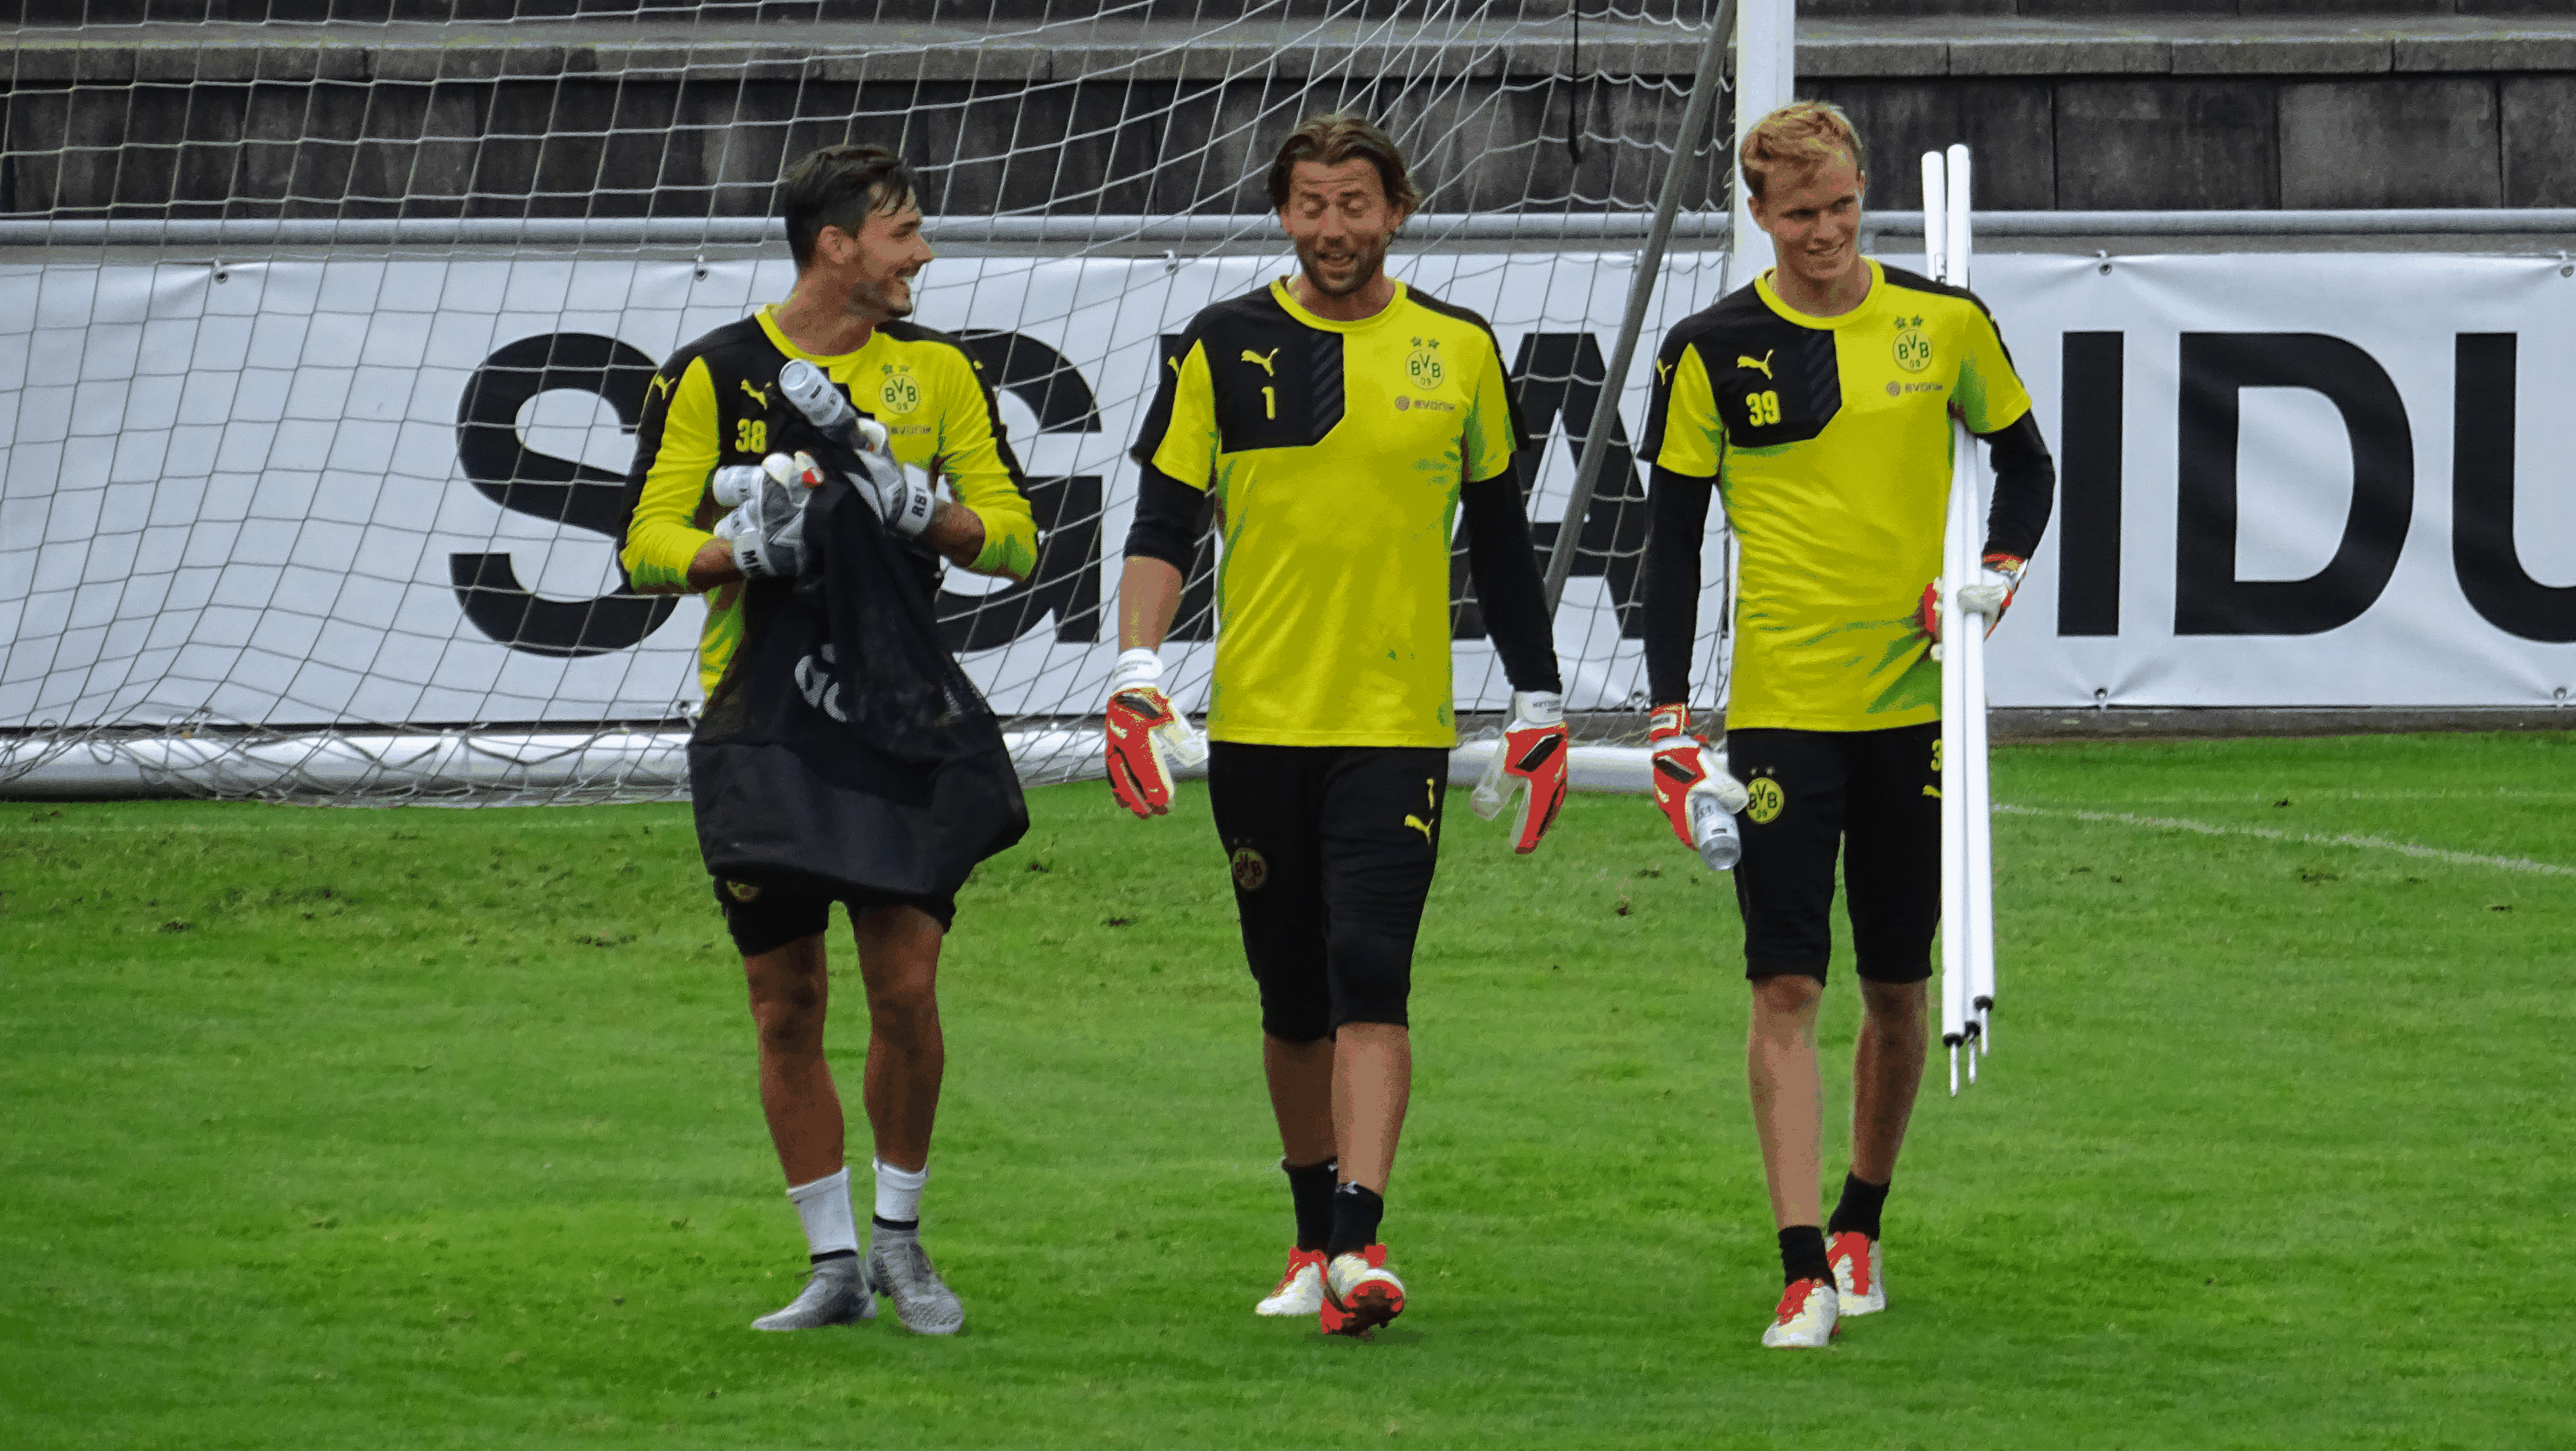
pixel 844 750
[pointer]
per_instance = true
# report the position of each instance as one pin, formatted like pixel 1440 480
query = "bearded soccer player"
pixel 1338 423
pixel 1817 403
pixel 855 231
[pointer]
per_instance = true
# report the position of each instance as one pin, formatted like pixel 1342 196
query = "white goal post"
pixel 323 338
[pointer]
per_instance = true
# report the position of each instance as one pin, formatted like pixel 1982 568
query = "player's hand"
pixel 767 525
pixel 1532 753
pixel 1998 579
pixel 1147 738
pixel 1687 771
pixel 901 494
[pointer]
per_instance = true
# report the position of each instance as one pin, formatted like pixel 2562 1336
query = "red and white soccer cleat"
pixel 1860 1284
pixel 1360 1293
pixel 1300 1290
pixel 1808 1316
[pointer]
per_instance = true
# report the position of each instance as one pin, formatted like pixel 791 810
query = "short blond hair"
pixel 1799 137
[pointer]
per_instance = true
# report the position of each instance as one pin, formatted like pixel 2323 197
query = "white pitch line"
pixel 2366 843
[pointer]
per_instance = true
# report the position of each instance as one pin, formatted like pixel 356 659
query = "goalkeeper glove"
pixel 1998 579
pixel 1147 738
pixel 767 525
pixel 1687 770
pixel 1531 753
pixel 901 494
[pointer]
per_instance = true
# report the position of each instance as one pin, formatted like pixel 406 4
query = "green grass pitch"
pixel 436 1129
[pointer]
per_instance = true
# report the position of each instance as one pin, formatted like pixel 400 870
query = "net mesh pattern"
pixel 324 326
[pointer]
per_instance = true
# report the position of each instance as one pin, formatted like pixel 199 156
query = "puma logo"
pixel 1174 364
pixel 1760 365
pixel 659 384
pixel 1430 800
pixel 758 395
pixel 1663 371
pixel 1250 356
pixel 1420 825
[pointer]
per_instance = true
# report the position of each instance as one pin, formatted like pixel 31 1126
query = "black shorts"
pixel 1332 849
pixel 764 919
pixel 1875 796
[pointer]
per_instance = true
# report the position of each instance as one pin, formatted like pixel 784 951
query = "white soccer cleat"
pixel 922 1300
pixel 1301 1290
pixel 1360 1293
pixel 1860 1279
pixel 836 1294
pixel 1807 1318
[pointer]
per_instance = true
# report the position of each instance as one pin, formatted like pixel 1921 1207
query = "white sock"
pixel 899 1192
pixel 824 1206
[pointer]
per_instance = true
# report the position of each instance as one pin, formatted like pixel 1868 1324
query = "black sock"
pixel 829 1255
pixel 1356 1211
pixel 1859 1208
pixel 1311 1186
pixel 899 1226
pixel 1802 1255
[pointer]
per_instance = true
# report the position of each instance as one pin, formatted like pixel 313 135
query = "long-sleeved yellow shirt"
pixel 708 407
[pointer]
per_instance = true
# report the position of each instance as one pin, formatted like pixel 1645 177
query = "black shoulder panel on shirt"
pixel 1775 382
pixel 1917 282
pixel 1278 382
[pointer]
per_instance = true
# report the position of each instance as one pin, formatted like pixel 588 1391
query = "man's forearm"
pixel 712 567
pixel 957 533
pixel 1149 594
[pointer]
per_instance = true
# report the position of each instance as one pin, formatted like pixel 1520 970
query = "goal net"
pixel 324 325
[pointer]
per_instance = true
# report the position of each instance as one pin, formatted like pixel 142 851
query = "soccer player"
pixel 1817 403
pixel 855 230
pixel 1335 423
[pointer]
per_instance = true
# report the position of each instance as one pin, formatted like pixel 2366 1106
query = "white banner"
pixel 253 494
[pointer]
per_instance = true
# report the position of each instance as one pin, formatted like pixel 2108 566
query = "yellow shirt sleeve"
pixel 678 430
pixel 1187 411
pixel 1492 432
pixel 975 454
pixel 1689 436
pixel 1989 394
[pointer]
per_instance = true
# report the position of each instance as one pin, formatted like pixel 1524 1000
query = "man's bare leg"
pixel 1887 1072
pixel 1788 1104
pixel 1300 1076
pixel 790 991
pixel 1372 1084
pixel 899 962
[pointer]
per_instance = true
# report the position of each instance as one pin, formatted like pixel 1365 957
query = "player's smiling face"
pixel 1814 221
pixel 875 265
pixel 1341 222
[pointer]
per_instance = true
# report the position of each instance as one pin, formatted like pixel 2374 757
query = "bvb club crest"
pixel 898 393
pixel 1250 871
pixel 1768 799
pixel 1422 369
pixel 1913 350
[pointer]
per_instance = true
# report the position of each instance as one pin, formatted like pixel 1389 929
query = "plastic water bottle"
pixel 820 402
pixel 1713 831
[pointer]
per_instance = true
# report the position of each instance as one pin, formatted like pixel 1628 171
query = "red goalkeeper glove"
pixel 1532 753
pixel 1147 738
pixel 1688 769
pixel 1997 582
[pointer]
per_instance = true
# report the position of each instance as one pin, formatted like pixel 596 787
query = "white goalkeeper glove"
pixel 901 494
pixel 767 525
pixel 1691 777
pixel 1532 753
pixel 1147 737
pixel 1998 579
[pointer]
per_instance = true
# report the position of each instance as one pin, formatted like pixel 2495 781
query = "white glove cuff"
pixel 1538 708
pixel 1140 666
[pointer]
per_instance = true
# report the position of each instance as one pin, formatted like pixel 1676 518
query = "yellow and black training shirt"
pixel 1829 440
pixel 1337 455
pixel 708 407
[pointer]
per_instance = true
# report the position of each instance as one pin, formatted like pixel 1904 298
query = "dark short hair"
pixel 840 186
pixel 1331 140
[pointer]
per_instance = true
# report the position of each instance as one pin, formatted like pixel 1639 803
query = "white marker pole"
pixel 1978 809
pixel 1954 856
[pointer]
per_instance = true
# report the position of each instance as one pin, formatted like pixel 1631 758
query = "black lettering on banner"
pixel 1558 375
pixel 560 491
pixel 2216 367
pixel 2482 491
pixel 2088 486
pixel 1066 582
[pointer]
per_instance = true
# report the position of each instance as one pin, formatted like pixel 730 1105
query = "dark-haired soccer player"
pixel 1338 422
pixel 1817 404
pixel 856 234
